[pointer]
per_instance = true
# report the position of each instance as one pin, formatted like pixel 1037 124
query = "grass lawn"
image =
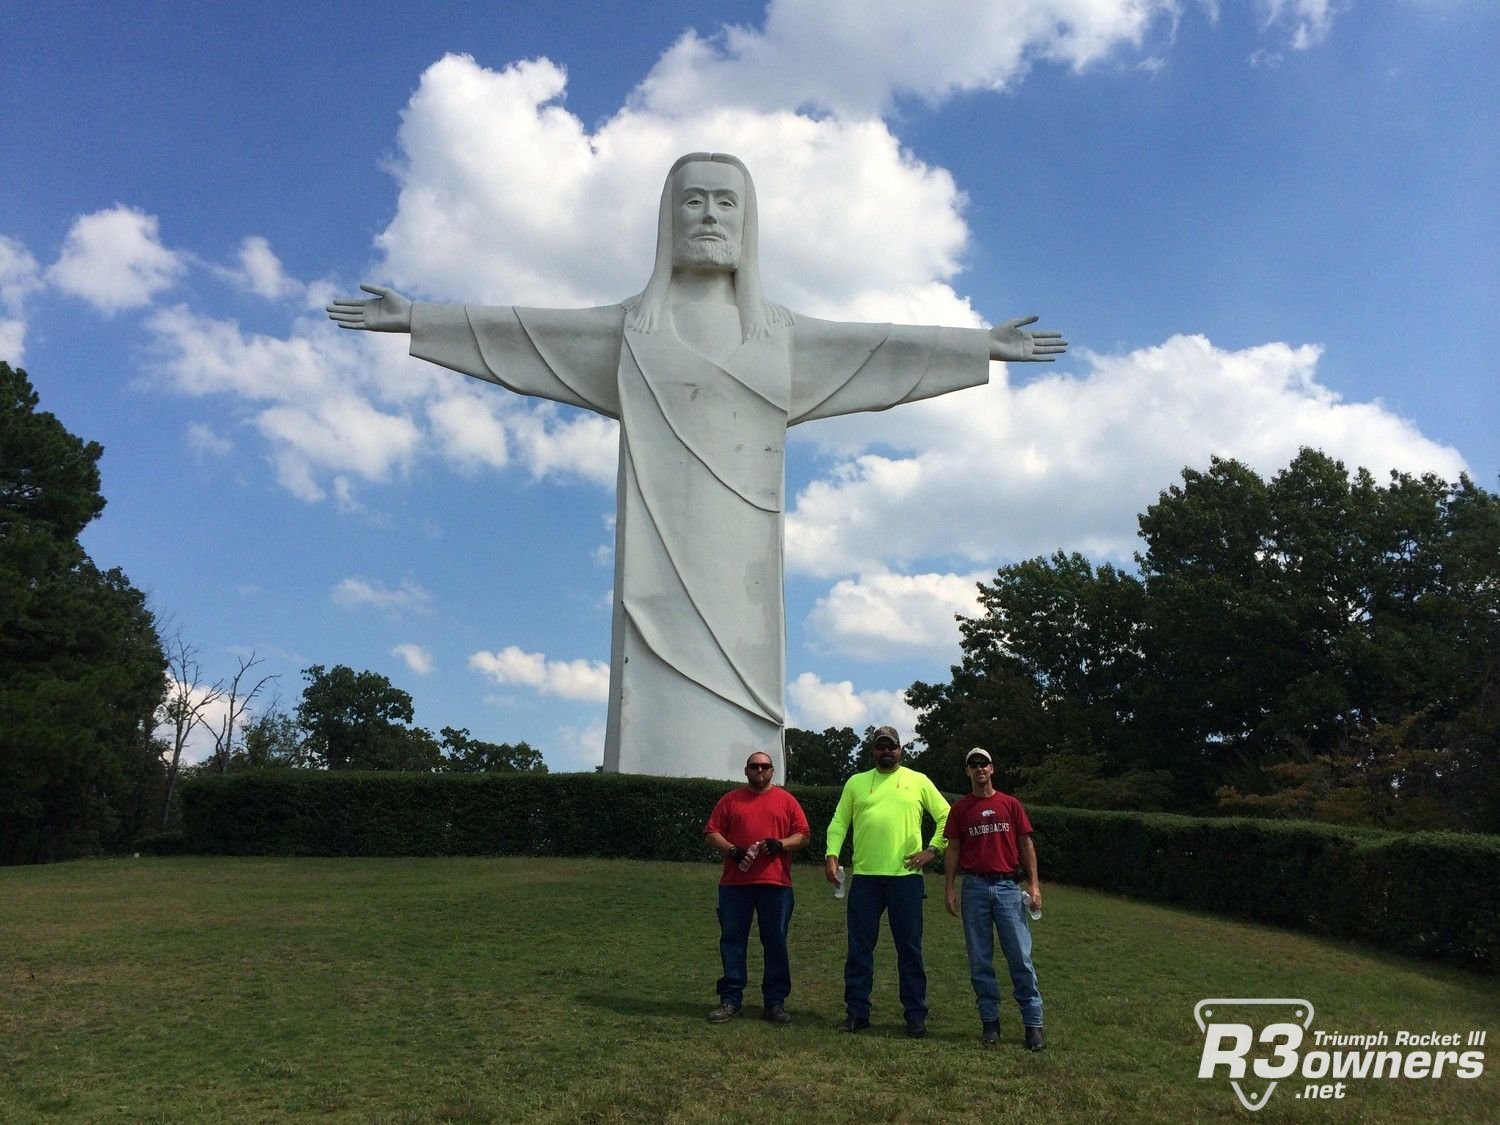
pixel 396 990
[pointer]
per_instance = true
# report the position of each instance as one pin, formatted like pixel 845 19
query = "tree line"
pixel 100 699
pixel 1316 645
pixel 349 720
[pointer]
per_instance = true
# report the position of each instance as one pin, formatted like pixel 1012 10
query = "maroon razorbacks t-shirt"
pixel 987 832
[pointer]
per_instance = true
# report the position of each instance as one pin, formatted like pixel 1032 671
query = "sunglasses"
pixel 760 766
pixel 977 763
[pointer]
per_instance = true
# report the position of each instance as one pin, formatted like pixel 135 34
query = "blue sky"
pixel 1262 224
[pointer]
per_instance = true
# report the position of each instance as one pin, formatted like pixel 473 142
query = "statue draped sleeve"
pixel 567 355
pixel 842 368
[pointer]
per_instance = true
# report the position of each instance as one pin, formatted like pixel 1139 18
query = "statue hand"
pixel 1011 343
pixel 388 312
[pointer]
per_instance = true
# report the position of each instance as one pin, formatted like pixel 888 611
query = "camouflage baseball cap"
pixel 883 733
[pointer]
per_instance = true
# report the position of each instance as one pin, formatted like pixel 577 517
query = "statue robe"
pixel 698 650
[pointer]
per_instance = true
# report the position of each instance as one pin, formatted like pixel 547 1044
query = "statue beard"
pixel 697 253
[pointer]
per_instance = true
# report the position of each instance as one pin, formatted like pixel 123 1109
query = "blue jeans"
pixel 986 908
pixel 772 906
pixel 899 896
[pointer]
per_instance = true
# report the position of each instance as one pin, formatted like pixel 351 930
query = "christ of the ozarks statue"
pixel 704 376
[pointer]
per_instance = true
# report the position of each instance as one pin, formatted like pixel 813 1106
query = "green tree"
pixel 1051 666
pixel 271 739
pixel 829 757
pixel 1323 618
pixel 1313 644
pixel 1080 780
pixel 360 720
pixel 81 667
pixel 465 754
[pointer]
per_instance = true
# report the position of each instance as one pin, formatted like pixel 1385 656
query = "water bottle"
pixel 750 853
pixel 838 887
pixel 1033 911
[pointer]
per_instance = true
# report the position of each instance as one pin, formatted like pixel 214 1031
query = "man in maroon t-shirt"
pixel 756 828
pixel 991 845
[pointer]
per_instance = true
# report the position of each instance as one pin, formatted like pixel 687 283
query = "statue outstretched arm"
pixel 1012 343
pixel 389 311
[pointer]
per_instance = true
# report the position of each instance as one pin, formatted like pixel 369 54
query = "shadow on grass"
pixel 644 1007
pixel 814 1019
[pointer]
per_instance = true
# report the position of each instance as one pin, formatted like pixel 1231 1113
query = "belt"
pixel 997 877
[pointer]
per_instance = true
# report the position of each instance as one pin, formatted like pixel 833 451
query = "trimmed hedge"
pixel 1433 895
pixel 1426 894
pixel 347 813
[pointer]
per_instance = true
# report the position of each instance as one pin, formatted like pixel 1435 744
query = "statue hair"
pixel 757 315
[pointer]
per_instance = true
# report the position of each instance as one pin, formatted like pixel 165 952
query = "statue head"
pixel 700 185
pixel 707 199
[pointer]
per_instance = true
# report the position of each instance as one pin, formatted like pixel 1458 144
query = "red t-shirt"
pixel 988 832
pixel 744 816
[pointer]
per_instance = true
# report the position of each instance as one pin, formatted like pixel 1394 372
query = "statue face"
pixel 708 216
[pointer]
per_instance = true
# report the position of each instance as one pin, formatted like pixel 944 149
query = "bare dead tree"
pixel 184 708
pixel 239 698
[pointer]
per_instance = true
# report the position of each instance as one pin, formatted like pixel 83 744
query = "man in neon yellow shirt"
pixel 884 807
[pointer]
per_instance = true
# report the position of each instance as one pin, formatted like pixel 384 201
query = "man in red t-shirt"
pixel 756 828
pixel 991 845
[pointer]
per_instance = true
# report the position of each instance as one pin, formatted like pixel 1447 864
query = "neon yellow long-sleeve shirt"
pixel 885 812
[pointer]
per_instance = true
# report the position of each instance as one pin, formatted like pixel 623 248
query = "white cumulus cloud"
pixel 206 440
pixel 365 593
pixel 115 260
pixel 586 680
pixel 1306 22
pixel 13 340
pixel 260 271
pixel 854 57
pixel 1067 462
pixel 554 441
pixel 20 276
pixel 415 657
pixel 504 193
pixel 887 616
pixel 816 705
pixel 576 749
pixel 327 404
pixel 336 408
pixel 466 424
